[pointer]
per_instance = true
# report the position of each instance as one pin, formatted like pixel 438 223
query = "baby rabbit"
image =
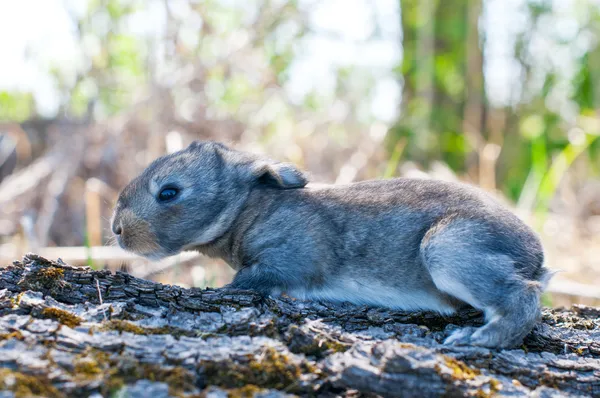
pixel 402 243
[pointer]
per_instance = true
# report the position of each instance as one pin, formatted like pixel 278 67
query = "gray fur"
pixel 402 243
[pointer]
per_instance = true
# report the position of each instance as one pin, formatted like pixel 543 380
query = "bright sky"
pixel 47 33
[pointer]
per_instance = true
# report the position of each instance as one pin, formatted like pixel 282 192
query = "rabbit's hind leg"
pixel 461 266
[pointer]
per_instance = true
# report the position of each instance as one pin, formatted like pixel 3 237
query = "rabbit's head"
pixel 192 197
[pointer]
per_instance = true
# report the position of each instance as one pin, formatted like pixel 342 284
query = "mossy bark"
pixel 67 331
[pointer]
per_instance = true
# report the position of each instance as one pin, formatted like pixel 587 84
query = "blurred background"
pixel 504 94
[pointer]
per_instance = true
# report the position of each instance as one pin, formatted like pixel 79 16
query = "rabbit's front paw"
pixel 460 336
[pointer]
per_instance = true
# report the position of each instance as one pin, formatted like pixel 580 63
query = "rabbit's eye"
pixel 168 194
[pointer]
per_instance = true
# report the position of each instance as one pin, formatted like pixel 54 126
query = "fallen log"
pixel 72 331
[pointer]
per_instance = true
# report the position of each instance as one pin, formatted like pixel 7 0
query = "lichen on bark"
pixel 148 339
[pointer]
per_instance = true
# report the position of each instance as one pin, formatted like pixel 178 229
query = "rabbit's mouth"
pixel 135 235
pixel 144 248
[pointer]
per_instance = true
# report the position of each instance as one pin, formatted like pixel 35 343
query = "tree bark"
pixel 68 331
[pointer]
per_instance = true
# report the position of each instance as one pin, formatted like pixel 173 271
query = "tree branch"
pixel 165 340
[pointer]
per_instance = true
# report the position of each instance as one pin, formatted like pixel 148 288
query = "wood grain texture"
pixel 148 339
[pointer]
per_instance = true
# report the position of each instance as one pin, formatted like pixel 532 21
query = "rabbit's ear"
pixel 196 145
pixel 261 171
pixel 280 175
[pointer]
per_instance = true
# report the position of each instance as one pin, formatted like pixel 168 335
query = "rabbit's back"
pixel 379 227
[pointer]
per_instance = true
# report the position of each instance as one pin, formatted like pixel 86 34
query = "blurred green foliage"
pixel 522 147
pixel 434 72
pixel 15 106
pixel 447 115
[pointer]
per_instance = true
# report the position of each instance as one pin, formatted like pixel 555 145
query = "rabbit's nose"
pixel 117 229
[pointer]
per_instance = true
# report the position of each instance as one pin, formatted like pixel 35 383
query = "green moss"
pixel 313 344
pixel 495 386
pixel 123 326
pixel 336 346
pixel 49 343
pixel 13 335
pixel 272 370
pixel 319 348
pixel 115 372
pixel 584 324
pixel 248 391
pixel 44 279
pixel 222 329
pixel 64 317
pixel 461 370
pixel 87 367
pixel 130 327
pixel 19 297
pixel 51 273
pixel 178 378
pixel 97 365
pixel 409 345
pixel 26 386
pixel 482 394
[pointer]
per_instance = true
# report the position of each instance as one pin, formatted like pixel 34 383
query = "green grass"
pixel 88 248
pixel 394 160
pixel 551 179
pixel 546 299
